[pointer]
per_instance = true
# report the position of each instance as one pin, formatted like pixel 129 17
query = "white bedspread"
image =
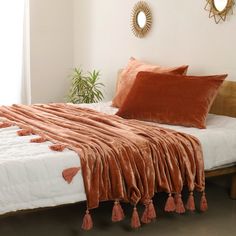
pixel 30 174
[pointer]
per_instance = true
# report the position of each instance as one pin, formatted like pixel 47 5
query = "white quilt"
pixel 30 173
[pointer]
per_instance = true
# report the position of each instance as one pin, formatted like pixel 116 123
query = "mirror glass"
pixel 220 5
pixel 141 19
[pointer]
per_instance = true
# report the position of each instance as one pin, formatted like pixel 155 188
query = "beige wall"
pixel 95 34
pixel 51 39
pixel 182 33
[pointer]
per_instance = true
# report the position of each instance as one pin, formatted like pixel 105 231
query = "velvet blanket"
pixel 127 160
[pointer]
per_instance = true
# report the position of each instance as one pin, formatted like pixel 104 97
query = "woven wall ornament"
pixel 141 19
pixel 219 9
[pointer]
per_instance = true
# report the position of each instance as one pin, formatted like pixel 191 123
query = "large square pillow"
pixel 128 76
pixel 171 99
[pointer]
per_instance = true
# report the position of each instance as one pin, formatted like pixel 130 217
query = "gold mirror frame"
pixel 219 15
pixel 139 7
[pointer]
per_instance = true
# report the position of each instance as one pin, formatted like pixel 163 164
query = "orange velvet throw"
pixel 121 160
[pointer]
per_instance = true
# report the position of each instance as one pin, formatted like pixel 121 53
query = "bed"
pixel 30 174
pixel 225 104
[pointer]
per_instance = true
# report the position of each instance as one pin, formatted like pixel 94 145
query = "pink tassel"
pixel 203 203
pixel 117 212
pixel 57 147
pixel 24 132
pixel 5 124
pixel 190 203
pixel 179 205
pixel 151 211
pixel 135 222
pixel 121 211
pixel 170 204
pixel 87 221
pixel 38 140
pixel 68 174
pixel 145 219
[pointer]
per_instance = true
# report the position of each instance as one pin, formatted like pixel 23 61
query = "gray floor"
pixel 66 221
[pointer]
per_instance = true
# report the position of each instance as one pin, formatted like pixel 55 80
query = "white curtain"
pixel 14 76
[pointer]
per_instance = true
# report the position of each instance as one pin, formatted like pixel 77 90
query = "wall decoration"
pixel 141 19
pixel 219 9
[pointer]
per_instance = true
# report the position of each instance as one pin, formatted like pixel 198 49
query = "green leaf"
pixel 85 88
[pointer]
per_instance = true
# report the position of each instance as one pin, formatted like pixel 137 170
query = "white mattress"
pixel 30 174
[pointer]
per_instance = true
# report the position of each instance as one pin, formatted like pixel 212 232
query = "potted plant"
pixel 85 88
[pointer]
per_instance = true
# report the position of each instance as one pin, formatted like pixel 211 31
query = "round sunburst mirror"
pixel 219 9
pixel 141 19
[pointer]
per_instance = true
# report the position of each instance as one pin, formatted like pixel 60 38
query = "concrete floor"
pixel 66 221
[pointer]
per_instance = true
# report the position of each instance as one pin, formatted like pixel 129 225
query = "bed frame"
pixel 225 104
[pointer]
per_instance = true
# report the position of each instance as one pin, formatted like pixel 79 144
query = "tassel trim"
pixel 117 212
pixel 144 218
pixel 38 140
pixel 135 222
pixel 190 205
pixel 87 221
pixel 5 124
pixel 69 174
pixel 170 204
pixel 57 147
pixel 24 132
pixel 149 213
pixel 203 203
pixel 179 204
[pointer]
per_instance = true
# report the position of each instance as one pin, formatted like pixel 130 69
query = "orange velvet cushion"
pixel 128 77
pixel 171 99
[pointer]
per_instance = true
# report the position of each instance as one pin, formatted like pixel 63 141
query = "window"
pixel 12 19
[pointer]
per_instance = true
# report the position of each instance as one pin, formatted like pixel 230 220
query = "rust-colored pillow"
pixel 171 99
pixel 128 76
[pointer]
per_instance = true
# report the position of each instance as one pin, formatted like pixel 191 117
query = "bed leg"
pixel 233 187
